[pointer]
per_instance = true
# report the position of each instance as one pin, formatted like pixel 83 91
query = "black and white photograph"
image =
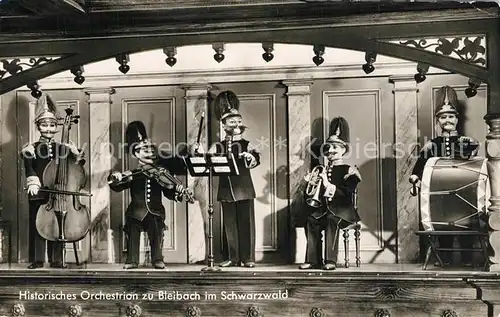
pixel 260 158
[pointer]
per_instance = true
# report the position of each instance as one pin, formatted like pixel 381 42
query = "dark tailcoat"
pixel 444 146
pixel 336 212
pixel 36 157
pixel 237 187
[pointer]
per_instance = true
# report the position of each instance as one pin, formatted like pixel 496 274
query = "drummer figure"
pixel 448 145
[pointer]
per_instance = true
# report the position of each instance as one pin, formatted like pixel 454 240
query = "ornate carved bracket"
pixel 449 313
pixel 470 49
pixel 382 313
pixel 16 65
pixel 75 311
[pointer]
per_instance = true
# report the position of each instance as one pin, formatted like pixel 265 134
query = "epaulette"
pixel 353 171
pixel 29 149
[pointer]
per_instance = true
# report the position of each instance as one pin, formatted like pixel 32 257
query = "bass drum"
pixel 454 194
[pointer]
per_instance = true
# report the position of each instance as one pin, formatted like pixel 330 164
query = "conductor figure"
pixel 145 211
pixel 331 200
pixel 36 157
pixel 236 193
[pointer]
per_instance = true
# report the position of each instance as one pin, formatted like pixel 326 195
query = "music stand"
pixel 210 165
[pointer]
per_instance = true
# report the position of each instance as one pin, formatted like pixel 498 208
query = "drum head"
pixel 454 194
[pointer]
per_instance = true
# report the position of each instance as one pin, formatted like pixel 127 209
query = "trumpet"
pixel 314 186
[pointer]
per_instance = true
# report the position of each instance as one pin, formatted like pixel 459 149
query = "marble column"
pixel 493 165
pixel 299 160
pixel 100 157
pixel 196 104
pixel 405 152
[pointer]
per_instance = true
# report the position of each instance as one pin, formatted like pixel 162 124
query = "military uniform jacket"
pixel 145 196
pixel 339 198
pixel 444 146
pixel 238 187
pixel 36 157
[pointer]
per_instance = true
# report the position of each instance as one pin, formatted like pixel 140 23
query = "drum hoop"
pixel 483 190
pixel 425 212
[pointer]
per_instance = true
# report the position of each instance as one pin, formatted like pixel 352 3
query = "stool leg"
pixel 10 246
pixel 427 257
pixel 485 253
pixel 76 253
pixel 357 234
pixel 346 247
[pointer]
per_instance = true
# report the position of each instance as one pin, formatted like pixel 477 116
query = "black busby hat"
pixel 136 136
pixel 227 105
pixel 446 101
pixel 339 132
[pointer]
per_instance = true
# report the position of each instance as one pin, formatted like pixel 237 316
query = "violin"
pixel 64 218
pixel 162 176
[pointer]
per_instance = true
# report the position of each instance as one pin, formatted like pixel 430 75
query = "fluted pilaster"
pixel 99 100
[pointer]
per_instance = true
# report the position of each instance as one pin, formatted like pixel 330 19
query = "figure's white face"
pixel 448 122
pixel 47 128
pixel 145 154
pixel 232 125
pixel 334 151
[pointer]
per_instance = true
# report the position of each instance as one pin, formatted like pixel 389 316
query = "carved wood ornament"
pixel 18 310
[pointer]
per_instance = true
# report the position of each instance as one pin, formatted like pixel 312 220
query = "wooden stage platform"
pixel 379 290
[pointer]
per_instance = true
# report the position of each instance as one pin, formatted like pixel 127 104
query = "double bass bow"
pixel 64 218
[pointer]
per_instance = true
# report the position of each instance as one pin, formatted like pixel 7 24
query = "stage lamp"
pixel 474 84
pixel 35 89
pixel 170 52
pixel 422 69
pixel 370 58
pixel 219 50
pixel 123 60
pixel 268 55
pixel 78 72
pixel 319 51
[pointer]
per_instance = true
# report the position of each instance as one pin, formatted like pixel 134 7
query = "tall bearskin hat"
pixel 45 109
pixel 227 105
pixel 136 136
pixel 339 132
pixel 446 101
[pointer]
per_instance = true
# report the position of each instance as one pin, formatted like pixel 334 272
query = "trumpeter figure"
pixel 36 157
pixel 146 211
pixel 330 197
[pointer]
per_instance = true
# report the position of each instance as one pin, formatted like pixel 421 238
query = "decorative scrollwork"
pixel 193 311
pixel 18 310
pixel 134 311
pixel 317 312
pixel 449 313
pixel 254 312
pixel 382 313
pixel 75 311
pixel 470 51
pixel 16 66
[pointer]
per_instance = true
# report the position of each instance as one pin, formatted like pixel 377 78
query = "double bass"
pixel 64 218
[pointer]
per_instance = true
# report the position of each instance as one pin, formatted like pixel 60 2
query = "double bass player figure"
pixel 36 157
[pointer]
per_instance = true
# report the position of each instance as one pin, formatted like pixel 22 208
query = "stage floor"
pixel 262 269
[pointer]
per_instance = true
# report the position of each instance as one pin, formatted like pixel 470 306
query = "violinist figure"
pixel 236 193
pixel 145 211
pixel 36 157
pixel 338 184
